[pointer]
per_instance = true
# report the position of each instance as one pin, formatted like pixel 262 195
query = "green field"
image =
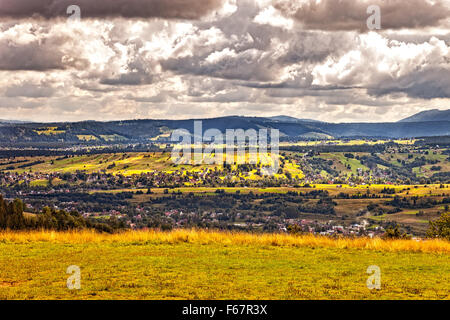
pixel 129 164
pixel 183 269
pixel 341 162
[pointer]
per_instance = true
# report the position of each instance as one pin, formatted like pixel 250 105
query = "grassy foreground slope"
pixel 209 265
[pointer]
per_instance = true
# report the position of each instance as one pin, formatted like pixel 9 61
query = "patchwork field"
pixel 424 164
pixel 204 265
pixel 126 164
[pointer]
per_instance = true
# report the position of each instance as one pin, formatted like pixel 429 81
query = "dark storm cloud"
pixel 30 90
pixel 170 9
pixel 431 83
pixel 335 15
pixel 244 55
pixel 254 52
pixel 139 72
pixel 247 65
pixel 39 55
pixel 134 78
pixel 315 46
pixel 139 69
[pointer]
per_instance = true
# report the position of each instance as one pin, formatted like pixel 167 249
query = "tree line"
pixel 12 217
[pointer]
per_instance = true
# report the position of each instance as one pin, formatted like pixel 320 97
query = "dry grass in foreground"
pixel 195 264
pixel 228 238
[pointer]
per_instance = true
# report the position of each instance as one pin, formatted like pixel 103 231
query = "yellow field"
pixel 228 238
pixel 212 265
pixel 347 143
pixel 49 131
pixel 137 163
pixel 85 137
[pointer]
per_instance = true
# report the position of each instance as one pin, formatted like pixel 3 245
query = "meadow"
pixel 191 264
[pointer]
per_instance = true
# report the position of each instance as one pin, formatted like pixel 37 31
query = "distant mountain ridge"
pixel 13 121
pixel 429 115
pixel 290 119
pixel 147 131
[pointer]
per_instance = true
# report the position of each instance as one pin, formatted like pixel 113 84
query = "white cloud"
pixel 245 58
pixel 274 18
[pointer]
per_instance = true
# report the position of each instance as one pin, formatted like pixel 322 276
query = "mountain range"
pixel 429 115
pixel 428 123
pixel 13 121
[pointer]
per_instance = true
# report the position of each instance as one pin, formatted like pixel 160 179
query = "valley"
pixel 346 187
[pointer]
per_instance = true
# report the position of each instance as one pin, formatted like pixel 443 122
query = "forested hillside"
pixel 14 217
pixel 91 132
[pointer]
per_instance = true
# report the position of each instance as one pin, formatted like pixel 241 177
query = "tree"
pixel 12 217
pixel 291 212
pixel 3 213
pixel 440 228
pixel 295 229
pixel 395 233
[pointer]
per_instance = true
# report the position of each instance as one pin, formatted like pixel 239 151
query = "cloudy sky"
pixel 178 59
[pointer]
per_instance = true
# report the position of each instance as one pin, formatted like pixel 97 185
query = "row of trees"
pixel 12 217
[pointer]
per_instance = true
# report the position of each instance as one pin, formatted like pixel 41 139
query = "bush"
pixel 440 228
pixel 295 229
pixel 395 233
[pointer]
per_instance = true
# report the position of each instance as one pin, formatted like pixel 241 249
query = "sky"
pixel 184 59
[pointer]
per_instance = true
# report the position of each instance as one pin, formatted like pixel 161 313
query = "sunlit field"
pixel 138 163
pixel 401 190
pixel 190 264
pixel 353 142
